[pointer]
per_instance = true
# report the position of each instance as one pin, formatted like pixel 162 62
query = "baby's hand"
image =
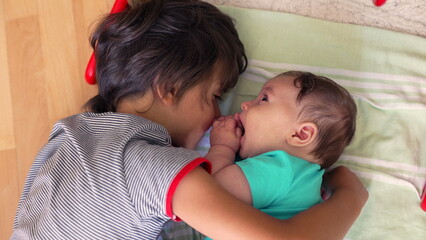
pixel 226 132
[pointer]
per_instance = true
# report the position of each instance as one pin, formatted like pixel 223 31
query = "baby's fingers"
pixel 238 132
pixel 230 123
pixel 221 118
pixel 216 123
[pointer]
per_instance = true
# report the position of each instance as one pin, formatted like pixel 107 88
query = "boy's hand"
pixel 225 132
pixel 342 178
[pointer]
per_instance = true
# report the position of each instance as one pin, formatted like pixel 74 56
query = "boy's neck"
pixel 142 108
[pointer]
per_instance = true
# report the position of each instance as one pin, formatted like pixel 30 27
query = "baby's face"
pixel 270 118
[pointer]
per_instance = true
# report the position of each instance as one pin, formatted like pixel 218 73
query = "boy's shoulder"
pixel 105 117
pixel 111 125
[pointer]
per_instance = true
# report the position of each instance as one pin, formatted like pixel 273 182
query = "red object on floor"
pixel 379 3
pixel 90 74
pixel 423 199
pixel 90 70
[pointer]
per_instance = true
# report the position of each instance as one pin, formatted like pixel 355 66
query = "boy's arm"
pixel 348 197
pixel 233 180
pixel 203 204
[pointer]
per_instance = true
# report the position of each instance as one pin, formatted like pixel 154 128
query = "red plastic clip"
pixel 379 3
pixel 90 74
pixel 423 199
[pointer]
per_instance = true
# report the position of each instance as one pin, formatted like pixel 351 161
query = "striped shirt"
pixel 102 176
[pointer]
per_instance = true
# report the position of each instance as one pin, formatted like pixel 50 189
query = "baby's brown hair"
pixel 331 108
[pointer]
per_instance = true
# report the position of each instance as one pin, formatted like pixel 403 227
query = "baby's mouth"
pixel 242 129
pixel 240 124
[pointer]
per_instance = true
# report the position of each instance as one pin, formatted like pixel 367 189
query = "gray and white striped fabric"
pixel 101 176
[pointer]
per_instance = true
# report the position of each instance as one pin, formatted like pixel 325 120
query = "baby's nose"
pixel 245 105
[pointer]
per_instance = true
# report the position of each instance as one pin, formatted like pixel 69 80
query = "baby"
pixel 298 125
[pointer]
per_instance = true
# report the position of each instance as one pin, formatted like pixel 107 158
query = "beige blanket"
pixel 407 16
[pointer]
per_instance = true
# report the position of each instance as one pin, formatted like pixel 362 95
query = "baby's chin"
pixel 244 154
pixel 248 152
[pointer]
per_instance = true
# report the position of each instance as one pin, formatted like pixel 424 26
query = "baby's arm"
pixel 225 142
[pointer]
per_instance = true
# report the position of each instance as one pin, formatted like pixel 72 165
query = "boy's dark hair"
pixel 331 108
pixel 172 44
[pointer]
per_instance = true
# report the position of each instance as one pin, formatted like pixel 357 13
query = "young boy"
pixel 298 125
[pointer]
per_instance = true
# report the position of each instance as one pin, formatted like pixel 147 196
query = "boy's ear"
pixel 304 134
pixel 167 98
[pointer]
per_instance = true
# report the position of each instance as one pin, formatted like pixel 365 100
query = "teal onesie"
pixel 282 185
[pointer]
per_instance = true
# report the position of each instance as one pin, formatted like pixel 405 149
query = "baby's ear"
pixel 304 134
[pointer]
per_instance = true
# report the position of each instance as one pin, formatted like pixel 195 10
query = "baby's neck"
pixel 303 153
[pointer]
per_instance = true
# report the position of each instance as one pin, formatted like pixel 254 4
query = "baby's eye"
pixel 264 98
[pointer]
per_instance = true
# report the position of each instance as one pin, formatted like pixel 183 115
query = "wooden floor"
pixel 44 50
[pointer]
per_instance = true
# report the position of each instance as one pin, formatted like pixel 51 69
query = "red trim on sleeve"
pixel 185 170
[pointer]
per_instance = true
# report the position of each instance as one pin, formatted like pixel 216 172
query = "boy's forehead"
pixel 215 85
pixel 219 78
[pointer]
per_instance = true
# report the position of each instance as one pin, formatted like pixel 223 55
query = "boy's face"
pixel 271 118
pixel 193 115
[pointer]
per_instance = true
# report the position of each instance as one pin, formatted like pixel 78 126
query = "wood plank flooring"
pixel 44 49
